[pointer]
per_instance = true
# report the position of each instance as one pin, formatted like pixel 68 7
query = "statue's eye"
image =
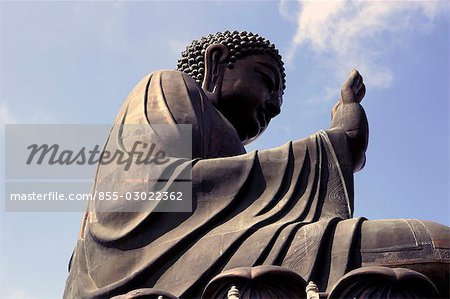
pixel 268 80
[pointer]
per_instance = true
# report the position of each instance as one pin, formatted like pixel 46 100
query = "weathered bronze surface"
pixel 289 206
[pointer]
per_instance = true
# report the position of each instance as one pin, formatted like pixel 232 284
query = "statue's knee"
pixel 422 246
pixel 440 234
pixel 408 238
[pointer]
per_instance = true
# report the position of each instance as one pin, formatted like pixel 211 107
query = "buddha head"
pixel 243 76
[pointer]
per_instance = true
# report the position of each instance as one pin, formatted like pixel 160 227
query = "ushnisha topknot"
pixel 239 44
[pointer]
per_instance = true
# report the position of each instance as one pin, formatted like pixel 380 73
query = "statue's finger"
pixel 358 87
pixel 350 79
pixel 357 79
pixel 361 93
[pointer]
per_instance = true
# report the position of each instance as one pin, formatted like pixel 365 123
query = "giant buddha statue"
pixel 276 218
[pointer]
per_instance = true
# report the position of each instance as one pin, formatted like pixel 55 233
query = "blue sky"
pixel 75 62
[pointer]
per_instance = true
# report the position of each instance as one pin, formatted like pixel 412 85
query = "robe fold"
pixel 284 206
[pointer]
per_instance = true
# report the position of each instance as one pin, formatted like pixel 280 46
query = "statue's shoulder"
pixel 164 91
pixel 168 78
pixel 173 88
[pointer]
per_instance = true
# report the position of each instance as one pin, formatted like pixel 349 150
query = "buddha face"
pixel 251 95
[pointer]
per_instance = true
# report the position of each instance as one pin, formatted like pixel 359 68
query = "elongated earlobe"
pixel 215 62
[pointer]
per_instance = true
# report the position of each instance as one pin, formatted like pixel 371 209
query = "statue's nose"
pixel 272 108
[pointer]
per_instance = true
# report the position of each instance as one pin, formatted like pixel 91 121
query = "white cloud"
pixel 345 34
pixel 5 114
pixel 285 8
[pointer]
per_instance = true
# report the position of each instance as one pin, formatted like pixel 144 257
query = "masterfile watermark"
pixel 119 168
pixel 53 155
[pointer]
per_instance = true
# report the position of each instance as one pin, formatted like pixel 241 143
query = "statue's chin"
pixel 250 140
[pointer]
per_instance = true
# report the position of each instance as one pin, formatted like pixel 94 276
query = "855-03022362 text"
pixel 98 195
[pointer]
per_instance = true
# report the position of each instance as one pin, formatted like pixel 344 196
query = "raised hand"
pixel 352 91
pixel 349 115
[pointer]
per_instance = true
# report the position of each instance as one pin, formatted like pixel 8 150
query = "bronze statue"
pixel 283 213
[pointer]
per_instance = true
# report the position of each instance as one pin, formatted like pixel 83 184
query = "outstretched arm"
pixel 349 116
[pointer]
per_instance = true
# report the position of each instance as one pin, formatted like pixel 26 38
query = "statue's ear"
pixel 215 62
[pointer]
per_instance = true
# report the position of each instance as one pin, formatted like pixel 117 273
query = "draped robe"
pixel 284 206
